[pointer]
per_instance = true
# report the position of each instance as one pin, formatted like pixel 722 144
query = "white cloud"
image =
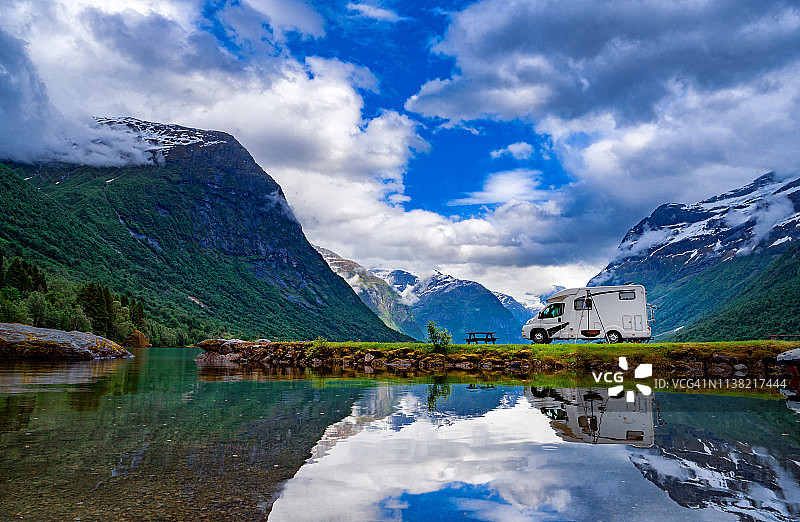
pixel 296 15
pixel 629 129
pixel 504 187
pixel 302 121
pixel 374 12
pixel 637 103
pixel 519 150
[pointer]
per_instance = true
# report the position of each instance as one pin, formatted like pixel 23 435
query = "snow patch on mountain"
pixel 162 136
pixel 738 222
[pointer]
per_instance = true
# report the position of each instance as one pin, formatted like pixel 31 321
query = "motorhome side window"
pixel 627 295
pixel 554 310
pixel 583 303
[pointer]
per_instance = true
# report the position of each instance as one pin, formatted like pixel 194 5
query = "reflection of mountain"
pixel 698 469
pixel 592 416
pixel 732 454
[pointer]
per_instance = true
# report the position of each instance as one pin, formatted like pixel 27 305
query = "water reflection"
pixel 157 436
pixel 36 376
pixel 592 416
pixel 488 454
pixel 497 453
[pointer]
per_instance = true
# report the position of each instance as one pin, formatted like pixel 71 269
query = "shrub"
pixel 439 339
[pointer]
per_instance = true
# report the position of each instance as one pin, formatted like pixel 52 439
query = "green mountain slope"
pixel 205 239
pixel 768 304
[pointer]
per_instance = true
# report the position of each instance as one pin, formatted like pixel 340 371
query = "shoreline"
pixel 745 359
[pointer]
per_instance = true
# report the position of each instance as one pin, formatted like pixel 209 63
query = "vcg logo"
pixel 643 371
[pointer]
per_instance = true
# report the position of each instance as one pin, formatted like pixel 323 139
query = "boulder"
pixel 18 341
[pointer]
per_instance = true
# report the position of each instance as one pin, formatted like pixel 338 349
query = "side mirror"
pixel 540 316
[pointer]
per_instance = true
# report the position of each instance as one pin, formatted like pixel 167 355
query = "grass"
pixel 637 352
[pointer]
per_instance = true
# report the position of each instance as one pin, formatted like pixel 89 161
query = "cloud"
pixel 519 150
pixel 33 130
pixel 376 13
pixel 540 57
pixel 504 187
pixel 291 15
pixel 641 102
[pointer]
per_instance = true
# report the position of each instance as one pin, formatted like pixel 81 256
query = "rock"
pixel 18 341
pixel 230 360
pixel 378 364
pixel 694 370
pixel 400 364
pixel 740 370
pixel 720 369
pixel 435 365
pixel 368 358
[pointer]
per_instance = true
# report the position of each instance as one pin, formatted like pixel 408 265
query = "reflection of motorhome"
pixel 791 359
pixel 616 313
pixel 592 416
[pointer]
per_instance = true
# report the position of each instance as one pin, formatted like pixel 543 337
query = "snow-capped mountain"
pixel 163 136
pixel 456 304
pixel 695 258
pixel 399 297
pixel 375 293
pixel 521 311
pixel 762 215
pixel 194 223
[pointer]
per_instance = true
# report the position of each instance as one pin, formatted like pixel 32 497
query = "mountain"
pixel 694 259
pixel 202 235
pixel 521 312
pixel 456 304
pixel 768 305
pixel 375 293
pixel 399 297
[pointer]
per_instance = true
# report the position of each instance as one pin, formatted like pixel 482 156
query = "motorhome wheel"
pixel 539 337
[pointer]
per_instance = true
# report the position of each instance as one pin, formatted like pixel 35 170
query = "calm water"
pixel 157 437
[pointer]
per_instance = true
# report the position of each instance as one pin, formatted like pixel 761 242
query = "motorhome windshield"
pixel 554 310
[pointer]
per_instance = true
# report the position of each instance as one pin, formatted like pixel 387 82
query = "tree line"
pixel 27 297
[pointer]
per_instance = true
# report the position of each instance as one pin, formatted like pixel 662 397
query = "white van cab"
pixel 616 313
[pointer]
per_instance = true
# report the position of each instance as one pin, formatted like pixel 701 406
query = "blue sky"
pixel 512 142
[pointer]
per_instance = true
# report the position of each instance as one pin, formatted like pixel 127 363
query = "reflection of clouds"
pixel 377 471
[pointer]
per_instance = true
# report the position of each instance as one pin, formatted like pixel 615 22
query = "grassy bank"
pixel 719 359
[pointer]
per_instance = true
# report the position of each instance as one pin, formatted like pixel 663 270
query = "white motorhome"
pixel 616 313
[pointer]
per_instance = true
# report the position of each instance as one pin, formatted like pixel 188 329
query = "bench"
pixel 480 337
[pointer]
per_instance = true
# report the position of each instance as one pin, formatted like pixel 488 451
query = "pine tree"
pixel 137 313
pixel 108 306
pixel 2 270
pixel 16 276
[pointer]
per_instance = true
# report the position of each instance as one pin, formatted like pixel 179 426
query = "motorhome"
pixel 614 313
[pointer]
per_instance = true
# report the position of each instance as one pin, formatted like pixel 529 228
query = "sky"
pixel 508 142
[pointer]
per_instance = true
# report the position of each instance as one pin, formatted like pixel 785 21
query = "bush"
pixel 439 339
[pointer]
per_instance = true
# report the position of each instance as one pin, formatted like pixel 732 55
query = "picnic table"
pixel 477 337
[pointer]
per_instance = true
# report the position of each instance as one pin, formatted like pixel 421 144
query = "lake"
pixel 157 437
